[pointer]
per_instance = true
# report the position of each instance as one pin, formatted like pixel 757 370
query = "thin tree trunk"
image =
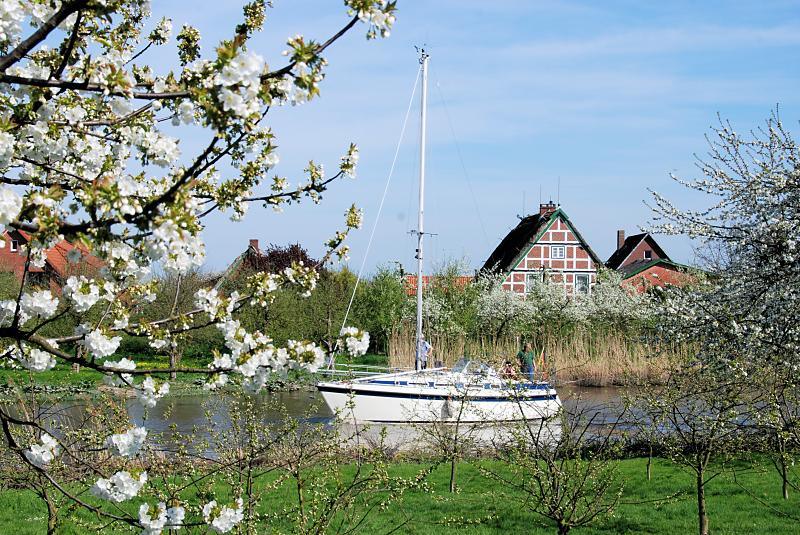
pixel 453 462
pixel 563 529
pixel 784 479
pixel 650 463
pixel 174 359
pixel 52 515
pixel 702 517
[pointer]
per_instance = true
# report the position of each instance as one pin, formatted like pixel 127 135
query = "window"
pixel 648 254
pixel 532 279
pixel 582 283
pixel 558 252
pixel 14 245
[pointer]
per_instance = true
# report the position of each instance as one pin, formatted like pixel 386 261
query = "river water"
pixel 190 411
pixel 206 417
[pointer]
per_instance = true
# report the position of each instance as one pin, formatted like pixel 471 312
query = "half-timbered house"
pixel 545 245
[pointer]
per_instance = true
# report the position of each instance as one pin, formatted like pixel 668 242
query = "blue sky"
pixel 609 96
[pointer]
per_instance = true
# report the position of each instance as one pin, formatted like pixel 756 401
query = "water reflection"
pixel 179 420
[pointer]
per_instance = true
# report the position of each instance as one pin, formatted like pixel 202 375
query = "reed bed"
pixel 581 357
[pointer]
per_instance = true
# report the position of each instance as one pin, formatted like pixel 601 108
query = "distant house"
pixel 410 282
pixel 59 264
pixel 545 246
pixel 273 260
pixel 644 264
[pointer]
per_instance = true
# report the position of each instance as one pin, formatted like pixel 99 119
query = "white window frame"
pixel 646 252
pixel 14 246
pixel 588 282
pixel 532 277
pixel 554 248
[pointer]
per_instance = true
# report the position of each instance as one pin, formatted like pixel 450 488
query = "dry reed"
pixel 582 357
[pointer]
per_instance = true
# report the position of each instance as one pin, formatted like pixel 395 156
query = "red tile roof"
pixel 57 257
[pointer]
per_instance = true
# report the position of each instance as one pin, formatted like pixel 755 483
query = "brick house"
pixel 644 264
pixel 542 245
pixel 410 282
pixel 272 259
pixel 58 265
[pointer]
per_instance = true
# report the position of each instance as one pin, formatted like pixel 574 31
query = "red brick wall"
pixel 638 253
pixel 658 276
pixel 11 261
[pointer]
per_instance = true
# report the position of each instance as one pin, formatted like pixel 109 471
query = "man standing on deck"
pixel 526 364
pixel 424 350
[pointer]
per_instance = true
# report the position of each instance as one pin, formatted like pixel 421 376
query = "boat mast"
pixel 423 59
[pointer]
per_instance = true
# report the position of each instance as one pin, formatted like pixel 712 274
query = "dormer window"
pixel 648 254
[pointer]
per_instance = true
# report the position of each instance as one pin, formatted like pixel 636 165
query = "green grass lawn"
pixel 63 376
pixel 481 507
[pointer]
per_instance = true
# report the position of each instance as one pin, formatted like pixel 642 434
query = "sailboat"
pixel 470 392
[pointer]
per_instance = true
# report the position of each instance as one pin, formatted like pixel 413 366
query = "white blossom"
pixel 208 301
pixel 218 380
pixel 119 487
pixel 11 15
pixel 305 355
pixel 100 345
pixel 129 443
pixel 186 112
pixel 82 292
pixel 222 519
pixel 6 152
pixel 43 454
pixel 149 392
pixel 178 248
pixel 8 309
pixel 164 518
pixel 37 360
pixel 356 342
pixel 10 205
pixel 38 304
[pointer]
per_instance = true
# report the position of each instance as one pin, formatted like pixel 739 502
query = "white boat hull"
pixel 389 403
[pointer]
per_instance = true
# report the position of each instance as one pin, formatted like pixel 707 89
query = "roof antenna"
pixel 523 203
pixel 558 193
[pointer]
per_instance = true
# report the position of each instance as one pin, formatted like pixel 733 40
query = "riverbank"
pixel 64 381
pixel 608 368
pixel 749 503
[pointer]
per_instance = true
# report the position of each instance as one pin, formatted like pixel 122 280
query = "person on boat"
pixel 508 371
pixel 526 361
pixel 424 351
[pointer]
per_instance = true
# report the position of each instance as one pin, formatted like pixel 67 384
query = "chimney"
pixel 254 245
pixel 546 209
pixel 620 238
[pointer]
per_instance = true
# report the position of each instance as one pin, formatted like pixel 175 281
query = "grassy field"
pixel 481 507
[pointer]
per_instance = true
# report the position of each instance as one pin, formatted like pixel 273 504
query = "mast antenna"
pixel 558 193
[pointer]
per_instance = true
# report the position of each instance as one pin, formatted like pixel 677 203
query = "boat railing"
pixel 365 372
pixel 358 370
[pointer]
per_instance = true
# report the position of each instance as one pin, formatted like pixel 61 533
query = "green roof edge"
pixel 655 263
